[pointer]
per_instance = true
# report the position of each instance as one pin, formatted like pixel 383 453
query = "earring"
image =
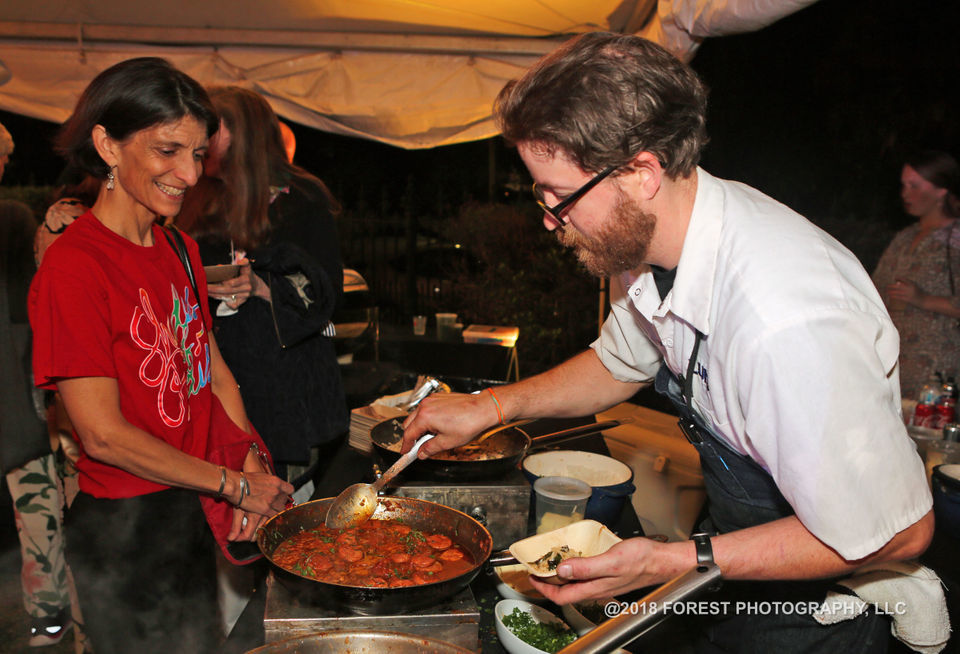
pixel 111 180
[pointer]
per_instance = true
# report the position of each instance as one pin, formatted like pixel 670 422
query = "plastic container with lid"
pixel 611 480
pixel 939 453
pixel 559 501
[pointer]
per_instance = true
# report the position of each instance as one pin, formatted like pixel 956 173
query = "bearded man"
pixel 765 332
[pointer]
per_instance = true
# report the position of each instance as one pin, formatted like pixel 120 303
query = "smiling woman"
pixel 151 170
pixel 122 331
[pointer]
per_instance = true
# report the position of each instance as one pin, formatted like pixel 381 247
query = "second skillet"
pixel 495 456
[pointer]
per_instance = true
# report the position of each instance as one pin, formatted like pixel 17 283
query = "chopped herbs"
pixel 547 636
pixel 305 570
pixel 413 539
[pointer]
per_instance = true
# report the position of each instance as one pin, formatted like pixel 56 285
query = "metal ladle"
pixel 356 503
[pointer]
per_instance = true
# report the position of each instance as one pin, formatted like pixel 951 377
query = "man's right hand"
pixel 455 418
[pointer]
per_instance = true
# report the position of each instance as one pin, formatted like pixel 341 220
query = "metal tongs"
pixel 425 386
pixel 629 625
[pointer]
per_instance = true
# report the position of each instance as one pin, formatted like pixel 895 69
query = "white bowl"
pixel 574 616
pixel 588 537
pixel 511 642
pixel 514 583
pixel 595 469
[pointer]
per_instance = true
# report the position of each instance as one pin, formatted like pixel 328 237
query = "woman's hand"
pixel 902 293
pixel 906 291
pixel 237 290
pixel 268 496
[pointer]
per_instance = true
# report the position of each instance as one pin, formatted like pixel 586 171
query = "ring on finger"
pixel 233 298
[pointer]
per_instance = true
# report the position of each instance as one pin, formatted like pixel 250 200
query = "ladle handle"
pixel 400 463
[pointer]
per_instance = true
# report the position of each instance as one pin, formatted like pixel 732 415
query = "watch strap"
pixel 704 549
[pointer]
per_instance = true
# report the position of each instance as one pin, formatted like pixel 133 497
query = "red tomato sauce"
pixel 376 554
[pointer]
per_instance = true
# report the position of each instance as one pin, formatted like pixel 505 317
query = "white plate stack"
pixel 365 418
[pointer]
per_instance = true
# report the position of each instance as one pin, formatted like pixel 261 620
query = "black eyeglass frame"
pixel 555 211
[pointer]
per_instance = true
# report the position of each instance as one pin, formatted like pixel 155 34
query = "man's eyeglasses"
pixel 556 211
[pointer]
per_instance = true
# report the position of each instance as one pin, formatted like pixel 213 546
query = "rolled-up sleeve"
pixel 624 349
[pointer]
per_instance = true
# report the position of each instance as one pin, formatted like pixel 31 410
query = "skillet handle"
pixel 578 431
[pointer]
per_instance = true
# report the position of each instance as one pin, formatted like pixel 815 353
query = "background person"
pixel 122 335
pixel 289 141
pixel 918 275
pixel 27 461
pixel 71 200
pixel 273 320
pixel 6 148
pixel 746 316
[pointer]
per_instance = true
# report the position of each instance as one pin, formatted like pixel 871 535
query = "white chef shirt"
pixel 798 367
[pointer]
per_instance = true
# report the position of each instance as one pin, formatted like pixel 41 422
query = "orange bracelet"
pixel 496 402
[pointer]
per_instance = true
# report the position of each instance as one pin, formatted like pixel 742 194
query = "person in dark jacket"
pixel 272 320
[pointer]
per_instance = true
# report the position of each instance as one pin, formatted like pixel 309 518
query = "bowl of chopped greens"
pixel 525 628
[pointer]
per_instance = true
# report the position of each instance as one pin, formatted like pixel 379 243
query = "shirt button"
pixel 668 342
pixel 636 292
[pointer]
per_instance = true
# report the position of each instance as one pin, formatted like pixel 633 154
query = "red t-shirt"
pixel 101 306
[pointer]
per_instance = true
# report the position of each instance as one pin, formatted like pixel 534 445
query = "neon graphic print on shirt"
pixel 177 364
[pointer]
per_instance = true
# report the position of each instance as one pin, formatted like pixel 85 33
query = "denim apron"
pixel 742 494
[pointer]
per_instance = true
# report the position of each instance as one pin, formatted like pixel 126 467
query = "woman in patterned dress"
pixel 919 273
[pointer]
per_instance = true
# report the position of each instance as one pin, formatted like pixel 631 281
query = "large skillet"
pixel 496 455
pixel 419 514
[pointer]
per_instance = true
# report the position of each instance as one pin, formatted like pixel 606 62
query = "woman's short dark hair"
pixel 127 97
pixel 601 98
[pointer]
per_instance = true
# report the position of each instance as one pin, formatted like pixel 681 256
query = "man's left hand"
pixel 628 565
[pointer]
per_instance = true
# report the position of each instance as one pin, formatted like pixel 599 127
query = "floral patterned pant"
pixel 40 491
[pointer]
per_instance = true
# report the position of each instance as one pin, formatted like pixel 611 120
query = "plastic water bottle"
pixel 925 415
pixel 945 410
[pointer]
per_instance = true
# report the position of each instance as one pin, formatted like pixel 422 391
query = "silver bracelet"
pixel 244 488
pixel 223 481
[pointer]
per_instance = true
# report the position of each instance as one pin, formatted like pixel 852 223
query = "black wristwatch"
pixel 704 548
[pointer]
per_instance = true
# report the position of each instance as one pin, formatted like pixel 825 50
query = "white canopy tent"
pixel 411 73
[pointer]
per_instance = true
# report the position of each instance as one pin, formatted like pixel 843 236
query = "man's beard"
pixel 619 246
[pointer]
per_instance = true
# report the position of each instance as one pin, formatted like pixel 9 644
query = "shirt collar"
pixel 693 290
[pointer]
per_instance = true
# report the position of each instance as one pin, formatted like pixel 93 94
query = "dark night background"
pixel 817 110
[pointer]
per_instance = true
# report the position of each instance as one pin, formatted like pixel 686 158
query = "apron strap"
pixel 687 381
